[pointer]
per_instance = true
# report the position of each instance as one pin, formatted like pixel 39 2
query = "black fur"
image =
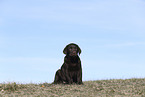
pixel 71 70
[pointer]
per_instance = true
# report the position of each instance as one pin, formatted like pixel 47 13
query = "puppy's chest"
pixel 73 67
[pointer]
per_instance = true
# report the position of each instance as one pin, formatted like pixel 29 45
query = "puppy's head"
pixel 72 50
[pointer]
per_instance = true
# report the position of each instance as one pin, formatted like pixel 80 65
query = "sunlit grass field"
pixel 99 88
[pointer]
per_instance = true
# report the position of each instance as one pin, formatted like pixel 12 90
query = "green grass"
pixel 100 88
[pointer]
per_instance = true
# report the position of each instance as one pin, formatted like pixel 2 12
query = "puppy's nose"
pixel 74 52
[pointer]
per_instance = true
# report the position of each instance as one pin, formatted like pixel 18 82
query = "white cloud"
pixel 128 44
pixel 26 59
pixel 31 64
pixel 28 69
pixel 106 14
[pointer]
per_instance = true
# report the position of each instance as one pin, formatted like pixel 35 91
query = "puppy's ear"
pixel 65 50
pixel 79 50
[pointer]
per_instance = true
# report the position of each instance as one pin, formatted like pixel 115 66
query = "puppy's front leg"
pixel 69 78
pixel 79 77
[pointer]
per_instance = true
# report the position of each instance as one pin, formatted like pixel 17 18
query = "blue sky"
pixel 33 33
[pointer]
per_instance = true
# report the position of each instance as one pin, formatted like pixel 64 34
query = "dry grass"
pixel 100 88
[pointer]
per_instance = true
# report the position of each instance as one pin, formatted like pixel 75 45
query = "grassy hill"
pixel 101 88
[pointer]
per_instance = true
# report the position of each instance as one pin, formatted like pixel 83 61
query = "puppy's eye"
pixel 70 48
pixel 74 48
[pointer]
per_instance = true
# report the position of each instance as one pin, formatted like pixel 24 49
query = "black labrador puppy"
pixel 71 70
